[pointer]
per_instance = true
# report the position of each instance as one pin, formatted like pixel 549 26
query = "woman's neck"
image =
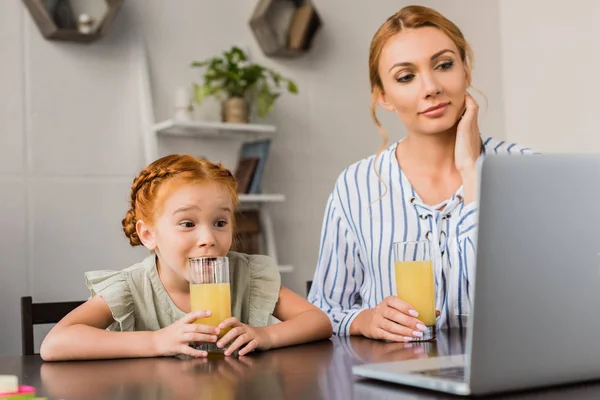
pixel 429 154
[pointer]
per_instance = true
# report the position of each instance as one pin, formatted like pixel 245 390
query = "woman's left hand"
pixel 468 139
pixel 468 146
pixel 242 334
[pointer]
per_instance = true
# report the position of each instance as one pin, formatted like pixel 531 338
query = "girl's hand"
pixel 175 339
pixel 253 338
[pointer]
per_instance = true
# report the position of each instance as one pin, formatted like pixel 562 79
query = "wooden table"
pixel 314 371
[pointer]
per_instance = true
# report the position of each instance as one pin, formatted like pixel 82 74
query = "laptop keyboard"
pixel 452 373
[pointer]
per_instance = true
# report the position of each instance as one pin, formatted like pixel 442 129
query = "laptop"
pixel 535 320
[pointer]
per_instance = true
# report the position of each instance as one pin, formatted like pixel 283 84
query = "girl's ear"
pixel 146 234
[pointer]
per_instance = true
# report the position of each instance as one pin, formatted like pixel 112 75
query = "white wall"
pixel 13 214
pixel 69 130
pixel 69 145
pixel 550 75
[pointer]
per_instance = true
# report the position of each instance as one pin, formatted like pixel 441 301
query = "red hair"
pixel 146 189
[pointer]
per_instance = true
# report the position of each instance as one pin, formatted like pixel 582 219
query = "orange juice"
pixel 218 388
pixel 215 297
pixel 415 285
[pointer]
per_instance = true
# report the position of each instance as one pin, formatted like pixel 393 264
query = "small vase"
pixel 235 109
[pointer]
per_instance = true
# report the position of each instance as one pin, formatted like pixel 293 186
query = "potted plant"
pixel 232 76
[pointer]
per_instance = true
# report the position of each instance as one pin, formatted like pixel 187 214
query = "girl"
pixel 181 208
pixel 422 187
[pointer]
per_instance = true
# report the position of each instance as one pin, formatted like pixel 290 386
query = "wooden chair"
pixel 40 313
pixel 308 285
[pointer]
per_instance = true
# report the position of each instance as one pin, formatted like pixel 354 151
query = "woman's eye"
pixel 404 78
pixel 446 65
pixel 187 224
pixel 221 223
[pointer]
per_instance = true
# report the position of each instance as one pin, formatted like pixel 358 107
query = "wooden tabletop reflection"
pixel 319 370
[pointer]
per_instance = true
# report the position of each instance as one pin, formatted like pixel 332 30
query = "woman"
pixel 424 186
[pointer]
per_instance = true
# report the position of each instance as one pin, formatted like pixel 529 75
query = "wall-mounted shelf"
pixel 72 35
pixel 284 28
pixel 261 198
pixel 210 129
pixel 52 31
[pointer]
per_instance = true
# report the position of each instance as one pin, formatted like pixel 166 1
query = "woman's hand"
pixel 242 334
pixel 392 319
pixel 468 147
pixel 176 338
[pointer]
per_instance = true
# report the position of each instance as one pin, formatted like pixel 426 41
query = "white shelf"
pixel 286 268
pixel 261 198
pixel 212 129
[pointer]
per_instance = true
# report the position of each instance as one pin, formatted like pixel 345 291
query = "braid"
pixel 147 180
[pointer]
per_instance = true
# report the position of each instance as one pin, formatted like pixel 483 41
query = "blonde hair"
pixel 145 195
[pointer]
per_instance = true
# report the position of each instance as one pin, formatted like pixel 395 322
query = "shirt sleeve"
pixel 340 272
pixel 265 284
pixel 114 288
pixel 466 236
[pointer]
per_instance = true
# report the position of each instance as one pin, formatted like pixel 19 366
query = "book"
pixel 244 172
pixel 260 150
pixel 247 232
pixel 304 24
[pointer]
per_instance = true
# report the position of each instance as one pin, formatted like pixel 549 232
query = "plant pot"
pixel 235 109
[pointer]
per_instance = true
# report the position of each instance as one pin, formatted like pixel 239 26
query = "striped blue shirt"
pixel 355 269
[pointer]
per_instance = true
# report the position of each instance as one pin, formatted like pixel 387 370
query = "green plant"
pixel 234 76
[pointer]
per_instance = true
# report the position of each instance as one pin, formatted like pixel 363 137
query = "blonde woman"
pixel 423 186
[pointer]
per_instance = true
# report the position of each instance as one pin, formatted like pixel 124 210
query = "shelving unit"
pixel 152 130
pixel 211 129
pixel 261 198
pixel 47 26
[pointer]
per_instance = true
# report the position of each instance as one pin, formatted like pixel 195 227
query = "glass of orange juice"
pixel 209 290
pixel 415 283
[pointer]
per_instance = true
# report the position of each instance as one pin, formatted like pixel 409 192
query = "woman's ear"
pixel 383 101
pixel 146 234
